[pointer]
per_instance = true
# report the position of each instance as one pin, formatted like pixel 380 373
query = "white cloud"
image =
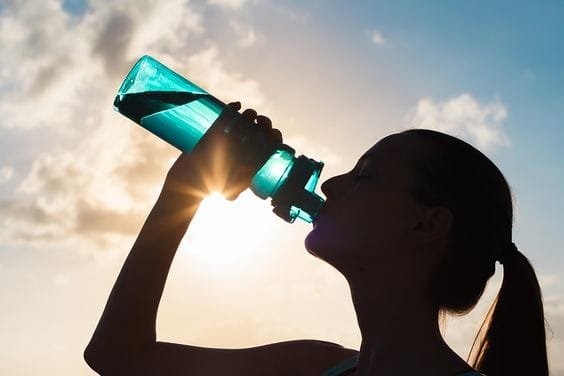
pixel 377 38
pixel 62 72
pixel 6 173
pixel 463 116
pixel 206 68
pixel 58 66
pixel 554 305
pixel 554 313
pixel 232 4
pixel 292 14
pixel 38 79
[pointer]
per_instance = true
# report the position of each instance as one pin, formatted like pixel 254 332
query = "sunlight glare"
pixel 229 236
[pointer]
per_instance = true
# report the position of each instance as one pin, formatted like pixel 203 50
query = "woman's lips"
pixel 322 212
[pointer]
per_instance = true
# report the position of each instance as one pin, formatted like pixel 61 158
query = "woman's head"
pixel 424 202
pixel 425 209
pixel 368 213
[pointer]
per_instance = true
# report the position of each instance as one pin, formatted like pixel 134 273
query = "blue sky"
pixel 76 181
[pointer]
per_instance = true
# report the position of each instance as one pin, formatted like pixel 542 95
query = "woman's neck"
pixel 401 336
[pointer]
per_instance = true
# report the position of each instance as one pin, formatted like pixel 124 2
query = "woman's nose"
pixel 330 186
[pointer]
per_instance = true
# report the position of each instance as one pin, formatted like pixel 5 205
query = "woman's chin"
pixel 310 242
pixel 320 243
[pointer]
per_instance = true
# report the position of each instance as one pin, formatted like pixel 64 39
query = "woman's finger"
pixel 276 135
pixel 264 121
pixel 249 114
pixel 236 106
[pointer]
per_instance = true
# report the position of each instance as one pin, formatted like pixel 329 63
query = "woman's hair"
pixel 450 173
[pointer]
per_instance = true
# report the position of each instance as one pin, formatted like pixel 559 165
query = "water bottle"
pixel 181 113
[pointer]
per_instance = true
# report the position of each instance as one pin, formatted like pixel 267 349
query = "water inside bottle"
pixel 180 118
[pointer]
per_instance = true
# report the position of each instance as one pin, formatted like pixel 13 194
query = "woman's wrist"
pixel 175 195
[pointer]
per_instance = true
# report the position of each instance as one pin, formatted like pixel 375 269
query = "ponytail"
pixel 512 339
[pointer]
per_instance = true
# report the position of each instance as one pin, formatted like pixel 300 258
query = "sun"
pixel 229 236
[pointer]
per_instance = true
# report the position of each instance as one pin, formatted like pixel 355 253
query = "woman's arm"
pixel 124 342
pixel 127 326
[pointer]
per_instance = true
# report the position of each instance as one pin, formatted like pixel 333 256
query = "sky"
pixel 77 179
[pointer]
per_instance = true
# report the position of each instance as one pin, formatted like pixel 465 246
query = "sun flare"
pixel 229 236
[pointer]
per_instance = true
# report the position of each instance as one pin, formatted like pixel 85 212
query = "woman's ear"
pixel 434 224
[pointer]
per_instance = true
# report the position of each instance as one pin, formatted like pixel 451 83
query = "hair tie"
pixel 506 253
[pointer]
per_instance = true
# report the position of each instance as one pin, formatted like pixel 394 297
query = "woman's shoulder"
pixel 316 356
pixel 297 358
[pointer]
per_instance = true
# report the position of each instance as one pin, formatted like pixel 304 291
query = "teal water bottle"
pixel 181 113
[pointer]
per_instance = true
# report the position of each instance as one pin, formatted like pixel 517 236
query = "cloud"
pixel 246 34
pixel 112 42
pixel 42 52
pixel 101 172
pixel 6 173
pixel 548 280
pixel 554 313
pixel 59 64
pixel 377 38
pixel 206 68
pixel 465 117
pixel 231 4
pixel 554 305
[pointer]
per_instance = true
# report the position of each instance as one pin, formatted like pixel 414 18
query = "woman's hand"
pixel 214 166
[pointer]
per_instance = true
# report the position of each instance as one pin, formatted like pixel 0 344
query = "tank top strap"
pixel 349 365
pixel 343 368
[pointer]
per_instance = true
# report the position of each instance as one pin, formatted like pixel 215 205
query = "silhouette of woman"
pixel 415 227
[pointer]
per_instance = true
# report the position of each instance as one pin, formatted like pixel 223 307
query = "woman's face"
pixel 369 215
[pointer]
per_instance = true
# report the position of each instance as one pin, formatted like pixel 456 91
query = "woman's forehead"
pixel 389 160
pixel 392 148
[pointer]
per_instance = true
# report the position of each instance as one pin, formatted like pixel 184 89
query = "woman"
pixel 415 227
